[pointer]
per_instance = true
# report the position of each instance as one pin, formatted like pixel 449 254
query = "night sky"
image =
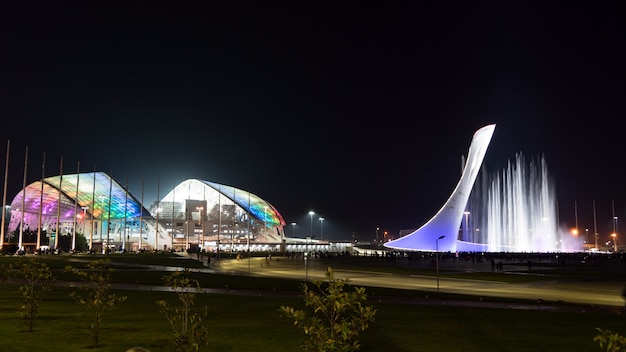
pixel 359 111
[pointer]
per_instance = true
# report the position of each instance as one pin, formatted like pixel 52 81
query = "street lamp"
pixel 311 213
pixel 615 239
pixel 293 229
pixel 187 236
pixel 437 260
pixel 306 251
pixel 377 229
pixel 306 260
pixel 322 229
pixel 200 209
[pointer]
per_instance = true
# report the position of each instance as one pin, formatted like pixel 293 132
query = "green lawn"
pixel 253 323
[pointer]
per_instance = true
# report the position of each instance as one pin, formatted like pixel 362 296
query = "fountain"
pixel 512 211
pixel 516 209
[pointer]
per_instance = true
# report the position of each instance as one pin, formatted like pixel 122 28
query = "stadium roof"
pixel 93 192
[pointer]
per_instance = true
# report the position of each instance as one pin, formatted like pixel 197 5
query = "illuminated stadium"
pixel 194 214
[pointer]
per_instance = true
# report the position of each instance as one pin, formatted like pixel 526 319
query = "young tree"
pixel 189 333
pixel 336 317
pixel 613 342
pixel 5 272
pixel 37 276
pixel 96 298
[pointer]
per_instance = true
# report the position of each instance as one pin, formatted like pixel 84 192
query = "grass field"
pixel 253 323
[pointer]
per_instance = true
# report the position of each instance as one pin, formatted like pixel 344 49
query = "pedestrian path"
pixel 601 295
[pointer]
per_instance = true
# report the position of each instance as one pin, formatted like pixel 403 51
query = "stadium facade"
pixel 194 214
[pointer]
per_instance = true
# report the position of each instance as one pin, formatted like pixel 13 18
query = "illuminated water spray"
pixel 519 209
pixel 511 211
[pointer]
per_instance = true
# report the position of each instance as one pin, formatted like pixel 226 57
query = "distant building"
pixel 194 214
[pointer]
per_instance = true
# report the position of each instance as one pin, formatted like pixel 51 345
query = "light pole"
pixel 293 229
pixel 377 229
pixel 187 236
pixel 311 213
pixel 437 260
pixel 306 260
pixel 615 236
pixel 200 209
pixel 306 251
pixel 322 229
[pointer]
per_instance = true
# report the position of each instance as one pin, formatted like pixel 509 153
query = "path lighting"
pixel 322 229
pixel 437 258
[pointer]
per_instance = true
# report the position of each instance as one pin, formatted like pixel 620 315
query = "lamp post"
pixel 306 251
pixel 293 229
pixel 200 210
pixel 186 230
pixel 322 229
pixel 437 260
pixel 306 260
pixel 311 213
pixel 377 229
pixel 615 235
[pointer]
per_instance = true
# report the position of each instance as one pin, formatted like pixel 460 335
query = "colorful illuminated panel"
pixel 107 194
pixel 253 204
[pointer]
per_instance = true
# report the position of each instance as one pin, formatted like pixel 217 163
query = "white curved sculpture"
pixel 441 231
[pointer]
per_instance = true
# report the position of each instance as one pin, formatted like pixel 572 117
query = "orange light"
pixel 575 232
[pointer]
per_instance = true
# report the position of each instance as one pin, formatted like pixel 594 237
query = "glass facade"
pixel 194 214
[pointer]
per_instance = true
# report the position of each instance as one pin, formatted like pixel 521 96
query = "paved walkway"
pixel 599 295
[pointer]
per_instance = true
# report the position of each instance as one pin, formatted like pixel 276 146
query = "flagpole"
pixel 156 234
pixel 4 195
pixel 141 217
pixel 109 210
pixel 56 237
pixel 19 245
pixel 93 206
pixel 125 212
pixel 43 174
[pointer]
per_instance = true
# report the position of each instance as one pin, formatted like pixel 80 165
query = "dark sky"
pixel 359 111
